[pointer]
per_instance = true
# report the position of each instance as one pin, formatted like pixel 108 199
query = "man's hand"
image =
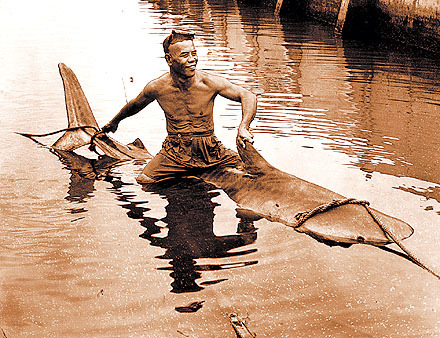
pixel 244 135
pixel 110 127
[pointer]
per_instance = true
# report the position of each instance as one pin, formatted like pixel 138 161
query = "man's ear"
pixel 168 59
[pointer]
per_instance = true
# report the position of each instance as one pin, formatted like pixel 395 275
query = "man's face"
pixel 182 58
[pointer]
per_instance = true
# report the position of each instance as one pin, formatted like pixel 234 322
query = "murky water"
pixel 87 252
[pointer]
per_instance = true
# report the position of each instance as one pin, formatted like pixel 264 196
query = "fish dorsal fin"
pixel 79 113
pixel 78 109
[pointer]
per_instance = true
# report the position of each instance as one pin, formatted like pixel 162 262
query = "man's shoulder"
pixel 160 81
pixel 211 80
pixel 155 85
pixel 204 75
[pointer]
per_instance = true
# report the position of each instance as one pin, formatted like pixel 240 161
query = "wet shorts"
pixel 187 154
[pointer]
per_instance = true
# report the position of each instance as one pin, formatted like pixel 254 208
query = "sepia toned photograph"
pixel 220 168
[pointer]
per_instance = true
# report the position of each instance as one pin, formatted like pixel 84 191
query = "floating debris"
pixel 212 282
pixel 193 307
pixel 240 327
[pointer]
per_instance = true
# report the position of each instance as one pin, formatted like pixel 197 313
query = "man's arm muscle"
pixel 248 105
pixel 134 106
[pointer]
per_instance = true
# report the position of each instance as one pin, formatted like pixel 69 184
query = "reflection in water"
pixel 84 172
pixel 189 219
pixel 398 102
pixel 190 223
pixel 428 193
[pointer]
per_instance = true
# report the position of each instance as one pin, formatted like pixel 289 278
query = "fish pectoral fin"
pixel 137 143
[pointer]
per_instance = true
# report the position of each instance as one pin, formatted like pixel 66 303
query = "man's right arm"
pixel 132 107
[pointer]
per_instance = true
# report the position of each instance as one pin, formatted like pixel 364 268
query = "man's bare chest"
pixel 192 101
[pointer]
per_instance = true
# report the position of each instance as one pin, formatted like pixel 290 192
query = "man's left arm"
pixel 248 105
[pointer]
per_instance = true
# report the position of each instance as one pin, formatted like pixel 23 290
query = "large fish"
pixel 259 188
pixel 285 198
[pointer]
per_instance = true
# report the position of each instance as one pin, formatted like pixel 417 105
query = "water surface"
pixel 88 252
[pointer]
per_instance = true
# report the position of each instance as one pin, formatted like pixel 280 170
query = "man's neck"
pixel 182 82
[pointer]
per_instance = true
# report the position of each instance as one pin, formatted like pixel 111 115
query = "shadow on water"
pixel 189 218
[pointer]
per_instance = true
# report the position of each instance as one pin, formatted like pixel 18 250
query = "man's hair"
pixel 176 36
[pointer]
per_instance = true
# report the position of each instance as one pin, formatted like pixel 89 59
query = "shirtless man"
pixel 186 96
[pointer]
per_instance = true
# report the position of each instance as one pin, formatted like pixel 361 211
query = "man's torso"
pixel 187 110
